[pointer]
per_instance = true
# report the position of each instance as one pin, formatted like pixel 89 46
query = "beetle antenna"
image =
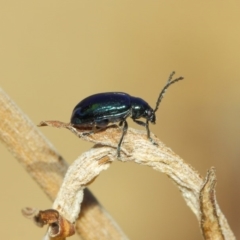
pixel 169 82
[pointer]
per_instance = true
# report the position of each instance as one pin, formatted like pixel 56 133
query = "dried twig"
pixel 37 155
pixel 198 193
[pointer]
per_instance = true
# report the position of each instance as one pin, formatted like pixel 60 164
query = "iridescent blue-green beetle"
pixel 98 110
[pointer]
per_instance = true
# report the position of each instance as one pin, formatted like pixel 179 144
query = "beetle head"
pixel 149 114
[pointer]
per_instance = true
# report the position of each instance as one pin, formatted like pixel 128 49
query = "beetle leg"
pixel 102 123
pixel 99 126
pixel 125 128
pixel 145 124
pixel 94 129
pixel 140 122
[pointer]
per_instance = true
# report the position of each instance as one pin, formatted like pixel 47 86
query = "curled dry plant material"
pixel 37 155
pixel 210 222
pixel 198 193
pixel 47 167
pixel 59 227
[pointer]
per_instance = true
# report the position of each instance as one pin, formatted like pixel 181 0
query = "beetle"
pixel 98 110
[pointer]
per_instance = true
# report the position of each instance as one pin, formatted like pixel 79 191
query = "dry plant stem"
pixel 209 219
pixel 45 165
pixel 37 155
pixel 197 192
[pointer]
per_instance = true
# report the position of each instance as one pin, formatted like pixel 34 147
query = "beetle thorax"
pixel 141 109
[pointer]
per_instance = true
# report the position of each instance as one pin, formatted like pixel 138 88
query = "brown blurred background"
pixel 54 53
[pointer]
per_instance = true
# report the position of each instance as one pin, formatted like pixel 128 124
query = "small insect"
pixel 98 110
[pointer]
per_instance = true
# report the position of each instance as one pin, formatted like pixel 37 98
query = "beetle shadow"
pixel 50 164
pixel 95 129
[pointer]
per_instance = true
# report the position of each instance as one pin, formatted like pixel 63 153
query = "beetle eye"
pixel 151 116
